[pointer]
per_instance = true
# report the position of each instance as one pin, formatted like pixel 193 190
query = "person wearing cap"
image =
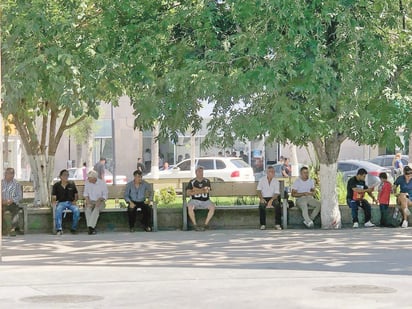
pixel 198 188
pixel 95 194
pixel 356 190
pixel 99 167
pixel 405 196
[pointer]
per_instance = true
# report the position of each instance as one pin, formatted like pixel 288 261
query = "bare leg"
pixel 191 212
pixel 210 214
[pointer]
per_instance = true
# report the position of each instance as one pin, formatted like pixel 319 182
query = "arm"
pixel 18 194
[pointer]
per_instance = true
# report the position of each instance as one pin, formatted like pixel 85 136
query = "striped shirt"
pixel 11 190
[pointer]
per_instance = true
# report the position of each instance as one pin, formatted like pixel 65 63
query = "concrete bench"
pixel 235 189
pixel 115 192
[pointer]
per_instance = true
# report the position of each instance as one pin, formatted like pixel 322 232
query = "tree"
pixel 303 71
pixel 55 63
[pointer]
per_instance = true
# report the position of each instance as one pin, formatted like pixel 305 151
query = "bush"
pixel 165 196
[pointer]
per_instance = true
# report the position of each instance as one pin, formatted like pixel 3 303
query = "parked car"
pixel 386 161
pixel 76 173
pixel 349 168
pixel 215 168
pixel 278 171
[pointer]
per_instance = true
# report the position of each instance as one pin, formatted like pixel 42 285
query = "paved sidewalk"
pixel 364 268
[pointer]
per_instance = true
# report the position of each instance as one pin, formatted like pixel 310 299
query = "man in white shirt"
pixel 95 194
pixel 269 197
pixel 303 190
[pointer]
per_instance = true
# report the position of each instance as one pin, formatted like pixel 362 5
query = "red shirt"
pixel 385 193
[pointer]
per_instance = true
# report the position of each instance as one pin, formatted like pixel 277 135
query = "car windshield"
pixel 239 163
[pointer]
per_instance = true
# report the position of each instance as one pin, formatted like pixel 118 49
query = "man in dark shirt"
pixel 199 188
pixel 356 190
pixel 64 196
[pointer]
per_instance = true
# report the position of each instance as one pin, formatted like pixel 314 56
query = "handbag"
pixel 392 217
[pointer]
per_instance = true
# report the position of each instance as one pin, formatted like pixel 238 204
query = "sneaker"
pixel 308 224
pixel 59 232
pixel 404 223
pixel 148 229
pixel 278 227
pixel 197 228
pixel 206 227
pixel 73 231
pixel 369 224
pixel 263 227
pixel 93 231
pixel 90 232
pixel 12 233
pixel 355 225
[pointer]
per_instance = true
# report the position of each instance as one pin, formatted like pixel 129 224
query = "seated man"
pixel 303 189
pixel 12 194
pixel 139 195
pixel 269 197
pixel 405 196
pixel 356 190
pixel 198 188
pixel 64 196
pixel 95 194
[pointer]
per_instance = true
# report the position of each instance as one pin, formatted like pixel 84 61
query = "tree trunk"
pixel 327 150
pixel 294 160
pixel 42 178
pixel 155 151
pixel 79 159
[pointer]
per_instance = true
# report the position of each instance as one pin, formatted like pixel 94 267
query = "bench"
pixel 115 192
pixel 235 189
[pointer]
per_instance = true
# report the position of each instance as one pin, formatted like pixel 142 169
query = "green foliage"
pixel 165 196
pixel 341 189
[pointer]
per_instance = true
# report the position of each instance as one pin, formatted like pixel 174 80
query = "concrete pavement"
pixel 364 268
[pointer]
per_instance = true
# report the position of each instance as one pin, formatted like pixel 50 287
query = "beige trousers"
pixel 92 213
pixel 304 203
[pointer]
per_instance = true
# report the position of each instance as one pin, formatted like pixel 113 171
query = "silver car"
pixel 349 168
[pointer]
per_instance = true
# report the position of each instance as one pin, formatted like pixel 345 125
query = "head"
pixel 139 160
pixel 304 173
pixel 199 172
pixel 398 155
pixel 166 165
pixel 407 171
pixel 270 172
pixel 147 150
pixel 92 176
pixel 103 160
pixel 9 174
pixel 361 174
pixel 84 164
pixel 286 160
pixel 138 176
pixel 241 153
pixel 64 175
pixel 383 176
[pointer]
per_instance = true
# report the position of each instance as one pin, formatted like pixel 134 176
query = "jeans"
pixel 60 207
pixel 278 211
pixel 146 214
pixel 364 204
pixel 384 213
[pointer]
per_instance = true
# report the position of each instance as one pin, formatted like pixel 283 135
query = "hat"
pixel 92 174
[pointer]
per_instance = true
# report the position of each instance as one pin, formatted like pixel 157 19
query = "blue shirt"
pixel 406 187
pixel 138 194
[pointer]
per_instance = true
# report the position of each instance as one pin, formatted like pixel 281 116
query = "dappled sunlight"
pixel 343 250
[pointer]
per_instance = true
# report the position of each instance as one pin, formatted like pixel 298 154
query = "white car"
pixel 215 169
pixel 76 173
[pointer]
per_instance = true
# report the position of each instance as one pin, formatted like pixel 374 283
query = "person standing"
pixel 286 168
pixel 198 188
pixel 140 166
pixel 99 167
pixel 147 158
pixel 269 197
pixel 64 196
pixel 405 196
pixel 384 195
pixel 12 194
pixel 303 190
pixel 356 190
pixel 95 194
pixel 139 195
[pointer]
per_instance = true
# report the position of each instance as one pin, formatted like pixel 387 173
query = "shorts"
pixel 198 204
